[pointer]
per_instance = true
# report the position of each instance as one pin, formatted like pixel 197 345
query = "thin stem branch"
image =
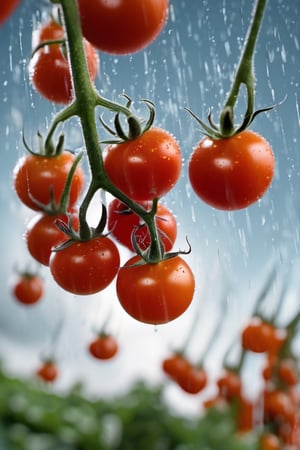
pixel 244 73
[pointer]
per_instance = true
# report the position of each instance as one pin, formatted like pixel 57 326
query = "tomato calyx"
pixel 134 124
pixel 77 236
pixel 227 128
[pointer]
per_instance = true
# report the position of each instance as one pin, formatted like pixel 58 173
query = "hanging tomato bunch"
pixel 230 168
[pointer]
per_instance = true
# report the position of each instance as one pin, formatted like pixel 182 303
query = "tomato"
pixel 122 222
pixel 48 372
pixel 279 406
pixel 232 173
pixel 87 267
pixel 194 380
pixel 269 441
pixel 145 167
pixel 175 366
pixel 35 176
pixel 42 234
pixel 155 293
pixel 28 289
pixel 258 336
pixel 7 8
pixel 229 385
pixel 122 26
pixel 49 67
pixel 288 372
pixel 104 347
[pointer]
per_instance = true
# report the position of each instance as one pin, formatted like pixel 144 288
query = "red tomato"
pixel 29 289
pixel 49 68
pixel 122 222
pixel 87 267
pixel 122 26
pixel 7 7
pixel 104 347
pixel 175 366
pixel 47 372
pixel 229 385
pixel 155 293
pixel 146 167
pixel 35 176
pixel 194 380
pixel 42 234
pixel 232 173
pixel 258 336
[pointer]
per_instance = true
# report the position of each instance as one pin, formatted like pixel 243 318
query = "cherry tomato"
pixel 7 8
pixel 104 347
pixel 87 267
pixel 35 176
pixel 229 385
pixel 232 173
pixel 269 441
pixel 29 289
pixel 146 167
pixel 49 67
pixel 258 336
pixel 122 26
pixel 42 234
pixel 194 380
pixel 122 222
pixel 279 405
pixel 288 372
pixel 175 366
pixel 155 293
pixel 48 372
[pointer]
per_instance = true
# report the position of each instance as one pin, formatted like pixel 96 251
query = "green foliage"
pixel 33 418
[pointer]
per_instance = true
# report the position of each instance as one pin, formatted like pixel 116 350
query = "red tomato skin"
pixel 35 176
pixel 49 69
pixel 28 290
pixel 7 8
pixel 104 347
pixel 42 234
pixel 48 372
pixel 155 293
pixel 146 167
pixel 232 173
pixel 123 26
pixel 121 225
pixel 84 268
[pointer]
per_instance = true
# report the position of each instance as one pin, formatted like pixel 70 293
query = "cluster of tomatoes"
pixel 144 169
pixel 275 413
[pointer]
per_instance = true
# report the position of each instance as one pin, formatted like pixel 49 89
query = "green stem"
pixel 244 73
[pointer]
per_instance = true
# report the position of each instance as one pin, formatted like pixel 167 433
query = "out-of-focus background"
pixel 191 64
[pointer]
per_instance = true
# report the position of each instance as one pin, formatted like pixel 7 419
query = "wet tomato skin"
pixel 49 68
pixel 155 293
pixel 122 223
pixel 85 267
pixel 35 176
pixel 146 167
pixel 42 234
pixel 123 26
pixel 232 173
